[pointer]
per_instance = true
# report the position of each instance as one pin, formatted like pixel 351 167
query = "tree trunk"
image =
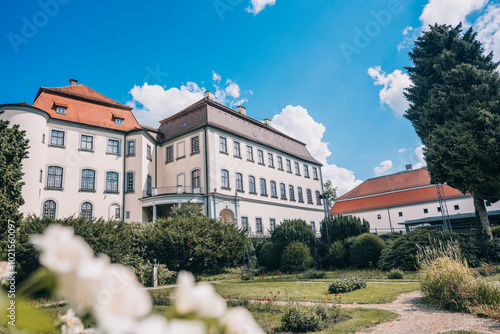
pixel 482 217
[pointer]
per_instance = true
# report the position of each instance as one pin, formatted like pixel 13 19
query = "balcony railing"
pixel 173 190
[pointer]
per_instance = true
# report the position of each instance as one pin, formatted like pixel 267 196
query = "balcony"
pixel 173 190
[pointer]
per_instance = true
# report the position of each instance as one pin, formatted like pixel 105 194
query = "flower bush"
pixel 347 284
pixel 308 319
pixel 111 294
pixel 395 274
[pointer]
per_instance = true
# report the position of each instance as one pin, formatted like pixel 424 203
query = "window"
pixel 273 189
pixel 223 145
pixel 306 171
pixel 113 146
pixel 258 225
pixel 239 182
pixel 130 147
pixel 299 195
pixel 297 169
pixel 148 153
pixel 112 181
pixel 237 151
pixel 439 209
pixel 250 153
pixel 488 203
pixel 49 209
pixel 260 156
pixel 43 138
pixel 318 198
pixel 457 207
pixel 195 145
pixel 86 210
pixel 280 163
pixel 87 143
pixel 288 166
pixel 169 153
pixel 251 185
pixel 57 138
pixel 282 191
pixel 61 110
pixel 313 225
pixel 127 214
pixel 88 179
pixel 244 223
pixel 309 196
pixel 149 185
pixel 379 216
pixel 195 179
pixel 315 173
pixel 54 177
pixel 400 214
pixel 272 224
pixel 263 187
pixel 117 213
pixel 225 178
pixel 291 192
pixel 41 176
pixel 270 160
pixel 130 181
pixel 119 121
pixel 426 211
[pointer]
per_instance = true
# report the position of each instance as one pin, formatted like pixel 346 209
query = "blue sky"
pixel 330 73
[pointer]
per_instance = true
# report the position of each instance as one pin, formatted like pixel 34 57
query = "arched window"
pixel 299 194
pixel 49 209
pixel 225 178
pixel 263 187
pixel 318 197
pixel 88 179
pixel 86 210
pixel 282 191
pixel 273 189
pixel 251 185
pixel 130 181
pixel 292 193
pixel 195 179
pixel 239 181
pixel 309 196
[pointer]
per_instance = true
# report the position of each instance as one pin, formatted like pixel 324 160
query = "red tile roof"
pixel 86 106
pixel 403 188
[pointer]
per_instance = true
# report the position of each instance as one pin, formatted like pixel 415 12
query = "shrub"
pixel 268 257
pixel 495 231
pixel 195 243
pixel 338 256
pixel 301 319
pixel 290 231
pixel 296 257
pixel 395 274
pixel 314 274
pixel 401 252
pixel 365 249
pixel 144 272
pixel 341 228
pixel 347 284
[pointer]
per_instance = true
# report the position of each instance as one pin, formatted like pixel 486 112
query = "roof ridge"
pixel 99 98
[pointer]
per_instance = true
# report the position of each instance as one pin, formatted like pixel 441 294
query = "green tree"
pixel 365 250
pixel 290 231
pixel 330 192
pixel 455 109
pixel 13 149
pixel 342 227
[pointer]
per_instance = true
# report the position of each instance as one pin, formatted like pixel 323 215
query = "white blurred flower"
pixel 187 327
pixel 120 300
pixel 155 324
pixel 200 300
pixel 6 270
pixel 61 251
pixel 240 321
pixel 70 323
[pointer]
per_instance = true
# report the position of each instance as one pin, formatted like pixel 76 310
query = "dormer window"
pixel 119 121
pixel 61 110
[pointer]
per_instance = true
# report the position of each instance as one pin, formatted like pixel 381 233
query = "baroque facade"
pixel 88 155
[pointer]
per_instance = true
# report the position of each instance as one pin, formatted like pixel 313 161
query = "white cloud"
pixel 419 153
pixel 232 89
pixel 407 30
pixel 216 77
pixel 401 150
pixel 487 27
pixel 256 6
pixel 384 168
pixel 449 11
pixel 297 123
pixel 152 103
pixel 394 85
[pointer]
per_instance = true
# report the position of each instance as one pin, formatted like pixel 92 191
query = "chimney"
pixel 73 82
pixel 242 110
pixel 266 121
pixel 209 95
pixel 409 167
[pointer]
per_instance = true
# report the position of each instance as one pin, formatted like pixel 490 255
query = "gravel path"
pixel 418 318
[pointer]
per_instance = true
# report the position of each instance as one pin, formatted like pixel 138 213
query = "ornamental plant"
pixel 347 284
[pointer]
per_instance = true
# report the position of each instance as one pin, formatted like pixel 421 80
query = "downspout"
pixel 327 211
pixel 390 222
pixel 207 184
pixel 124 176
pixel 156 164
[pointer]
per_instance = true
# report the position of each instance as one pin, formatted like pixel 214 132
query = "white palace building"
pixel 89 156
